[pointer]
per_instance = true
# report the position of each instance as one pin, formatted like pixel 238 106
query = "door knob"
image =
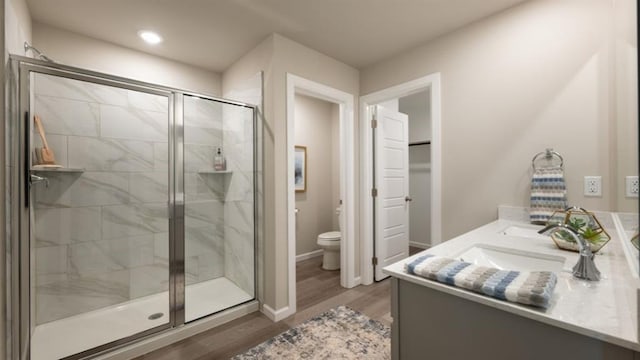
pixel 407 199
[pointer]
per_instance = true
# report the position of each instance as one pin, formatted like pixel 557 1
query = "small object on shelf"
pixel 44 155
pixel 584 223
pixel 219 163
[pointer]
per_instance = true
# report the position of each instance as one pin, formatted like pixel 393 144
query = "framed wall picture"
pixel 300 168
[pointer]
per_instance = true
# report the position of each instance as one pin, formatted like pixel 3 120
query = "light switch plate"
pixel 593 186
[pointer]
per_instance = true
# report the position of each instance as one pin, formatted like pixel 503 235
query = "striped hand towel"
pixel 548 194
pixel 531 288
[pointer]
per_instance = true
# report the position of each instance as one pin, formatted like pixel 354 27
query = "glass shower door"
pixel 133 209
pixel 219 182
pixel 99 239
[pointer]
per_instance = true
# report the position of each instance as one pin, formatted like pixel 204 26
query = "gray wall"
pixel 418 107
pixel 89 53
pixel 17 26
pixel 315 128
pixel 509 79
pixel 625 155
pixel 276 56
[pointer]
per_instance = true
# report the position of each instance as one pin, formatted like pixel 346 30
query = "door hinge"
pixel 374 124
pixel 374 192
pixel 374 261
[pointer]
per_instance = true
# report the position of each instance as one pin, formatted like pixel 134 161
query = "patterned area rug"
pixel 340 333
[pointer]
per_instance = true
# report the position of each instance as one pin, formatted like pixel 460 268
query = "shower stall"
pixel 130 230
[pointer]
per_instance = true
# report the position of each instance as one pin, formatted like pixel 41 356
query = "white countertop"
pixel 606 310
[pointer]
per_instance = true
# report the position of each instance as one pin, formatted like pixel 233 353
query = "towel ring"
pixel 548 155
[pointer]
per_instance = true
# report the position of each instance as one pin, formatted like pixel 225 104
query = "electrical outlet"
pixel 632 186
pixel 593 185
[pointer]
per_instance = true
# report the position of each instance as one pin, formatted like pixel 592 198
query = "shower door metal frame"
pixel 180 196
pixel 18 215
pixel 21 241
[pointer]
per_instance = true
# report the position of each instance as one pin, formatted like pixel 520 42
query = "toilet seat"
pixel 330 240
pixel 330 236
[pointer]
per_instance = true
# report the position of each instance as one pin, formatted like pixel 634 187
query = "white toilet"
pixel 330 243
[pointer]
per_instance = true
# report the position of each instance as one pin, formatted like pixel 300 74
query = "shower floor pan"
pixel 65 337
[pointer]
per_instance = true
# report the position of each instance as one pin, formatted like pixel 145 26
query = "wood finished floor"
pixel 317 291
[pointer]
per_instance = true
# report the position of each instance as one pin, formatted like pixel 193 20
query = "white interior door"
pixel 391 205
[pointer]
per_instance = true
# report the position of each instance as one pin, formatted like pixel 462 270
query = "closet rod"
pixel 420 143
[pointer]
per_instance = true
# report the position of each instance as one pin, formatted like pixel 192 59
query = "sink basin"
pixel 524 231
pixel 511 259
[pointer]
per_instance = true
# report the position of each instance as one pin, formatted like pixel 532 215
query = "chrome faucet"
pixel 586 267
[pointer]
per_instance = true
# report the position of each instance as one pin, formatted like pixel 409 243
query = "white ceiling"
pixel 212 34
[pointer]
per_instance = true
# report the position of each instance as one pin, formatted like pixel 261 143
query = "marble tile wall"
pixel 239 201
pixel 204 192
pixel 250 91
pixel 101 236
pixel 219 207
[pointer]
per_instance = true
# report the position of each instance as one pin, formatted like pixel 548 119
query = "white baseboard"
pixel 309 255
pixel 277 315
pixel 419 245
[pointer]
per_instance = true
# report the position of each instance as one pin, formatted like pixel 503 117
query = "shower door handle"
pixel 178 210
pixel 34 179
pixel 26 161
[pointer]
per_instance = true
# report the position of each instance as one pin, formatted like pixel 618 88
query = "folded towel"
pixel 548 193
pixel 530 288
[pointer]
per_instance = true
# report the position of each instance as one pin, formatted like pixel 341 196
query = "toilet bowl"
pixel 330 243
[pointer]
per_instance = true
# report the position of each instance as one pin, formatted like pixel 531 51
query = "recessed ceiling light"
pixel 150 37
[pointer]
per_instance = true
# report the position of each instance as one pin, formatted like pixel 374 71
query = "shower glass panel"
pixel 100 229
pixel 132 228
pixel 219 205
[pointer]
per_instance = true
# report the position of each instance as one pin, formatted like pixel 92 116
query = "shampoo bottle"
pixel 219 163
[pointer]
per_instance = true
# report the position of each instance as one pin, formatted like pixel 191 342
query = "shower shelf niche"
pixel 57 169
pixel 209 171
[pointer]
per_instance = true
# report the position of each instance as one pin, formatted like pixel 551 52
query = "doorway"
pixel 297 86
pixel 378 248
pixel 418 109
pixel 317 174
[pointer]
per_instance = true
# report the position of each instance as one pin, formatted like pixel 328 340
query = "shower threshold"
pixel 72 335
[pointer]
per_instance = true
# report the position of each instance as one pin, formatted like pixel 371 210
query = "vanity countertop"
pixel 606 310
